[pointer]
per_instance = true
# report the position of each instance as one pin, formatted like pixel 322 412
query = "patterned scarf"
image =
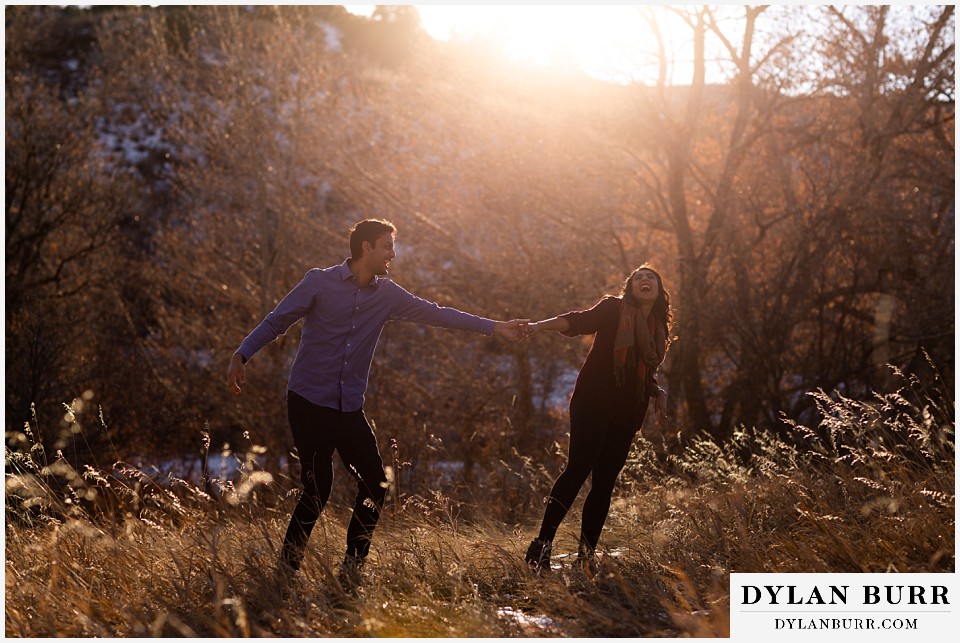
pixel 633 336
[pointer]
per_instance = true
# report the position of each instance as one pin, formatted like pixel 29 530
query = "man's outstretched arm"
pixel 409 307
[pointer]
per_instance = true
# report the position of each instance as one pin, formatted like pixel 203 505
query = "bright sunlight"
pixel 610 42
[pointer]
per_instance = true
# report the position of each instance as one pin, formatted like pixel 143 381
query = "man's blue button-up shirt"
pixel 341 326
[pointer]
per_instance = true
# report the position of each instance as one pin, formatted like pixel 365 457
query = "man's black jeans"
pixel 317 433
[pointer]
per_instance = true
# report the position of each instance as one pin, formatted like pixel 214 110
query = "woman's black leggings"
pixel 317 433
pixel 598 448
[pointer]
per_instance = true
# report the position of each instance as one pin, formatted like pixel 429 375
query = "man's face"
pixel 381 254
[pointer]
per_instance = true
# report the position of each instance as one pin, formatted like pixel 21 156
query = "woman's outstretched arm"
pixel 558 324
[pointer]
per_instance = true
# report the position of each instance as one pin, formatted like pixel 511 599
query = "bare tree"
pixel 65 203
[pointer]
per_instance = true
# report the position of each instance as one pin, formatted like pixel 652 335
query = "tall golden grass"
pixel 124 553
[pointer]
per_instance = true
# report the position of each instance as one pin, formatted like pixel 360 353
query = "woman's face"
pixel 644 286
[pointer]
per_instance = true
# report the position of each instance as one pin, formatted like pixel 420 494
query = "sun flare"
pixel 612 42
pixel 595 38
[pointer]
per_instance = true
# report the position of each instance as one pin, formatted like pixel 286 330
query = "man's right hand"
pixel 235 373
pixel 509 329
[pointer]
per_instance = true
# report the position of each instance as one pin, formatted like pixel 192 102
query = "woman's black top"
pixel 595 382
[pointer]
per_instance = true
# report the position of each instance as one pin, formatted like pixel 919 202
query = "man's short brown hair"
pixel 368 230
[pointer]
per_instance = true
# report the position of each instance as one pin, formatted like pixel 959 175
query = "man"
pixel 344 308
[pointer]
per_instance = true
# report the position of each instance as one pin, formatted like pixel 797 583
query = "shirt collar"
pixel 346 274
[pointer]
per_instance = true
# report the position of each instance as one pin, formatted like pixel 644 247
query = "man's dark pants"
pixel 318 432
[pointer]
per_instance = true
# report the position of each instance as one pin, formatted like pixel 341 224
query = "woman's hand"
pixel 529 329
pixel 558 324
pixel 512 330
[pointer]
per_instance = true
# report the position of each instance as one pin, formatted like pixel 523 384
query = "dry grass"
pixel 118 554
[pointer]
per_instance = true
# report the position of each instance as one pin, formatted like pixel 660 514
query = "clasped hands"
pixel 516 329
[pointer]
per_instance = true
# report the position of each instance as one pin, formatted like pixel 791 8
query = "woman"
pixel 609 402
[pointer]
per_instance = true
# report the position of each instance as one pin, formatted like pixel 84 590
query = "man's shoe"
pixel 538 554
